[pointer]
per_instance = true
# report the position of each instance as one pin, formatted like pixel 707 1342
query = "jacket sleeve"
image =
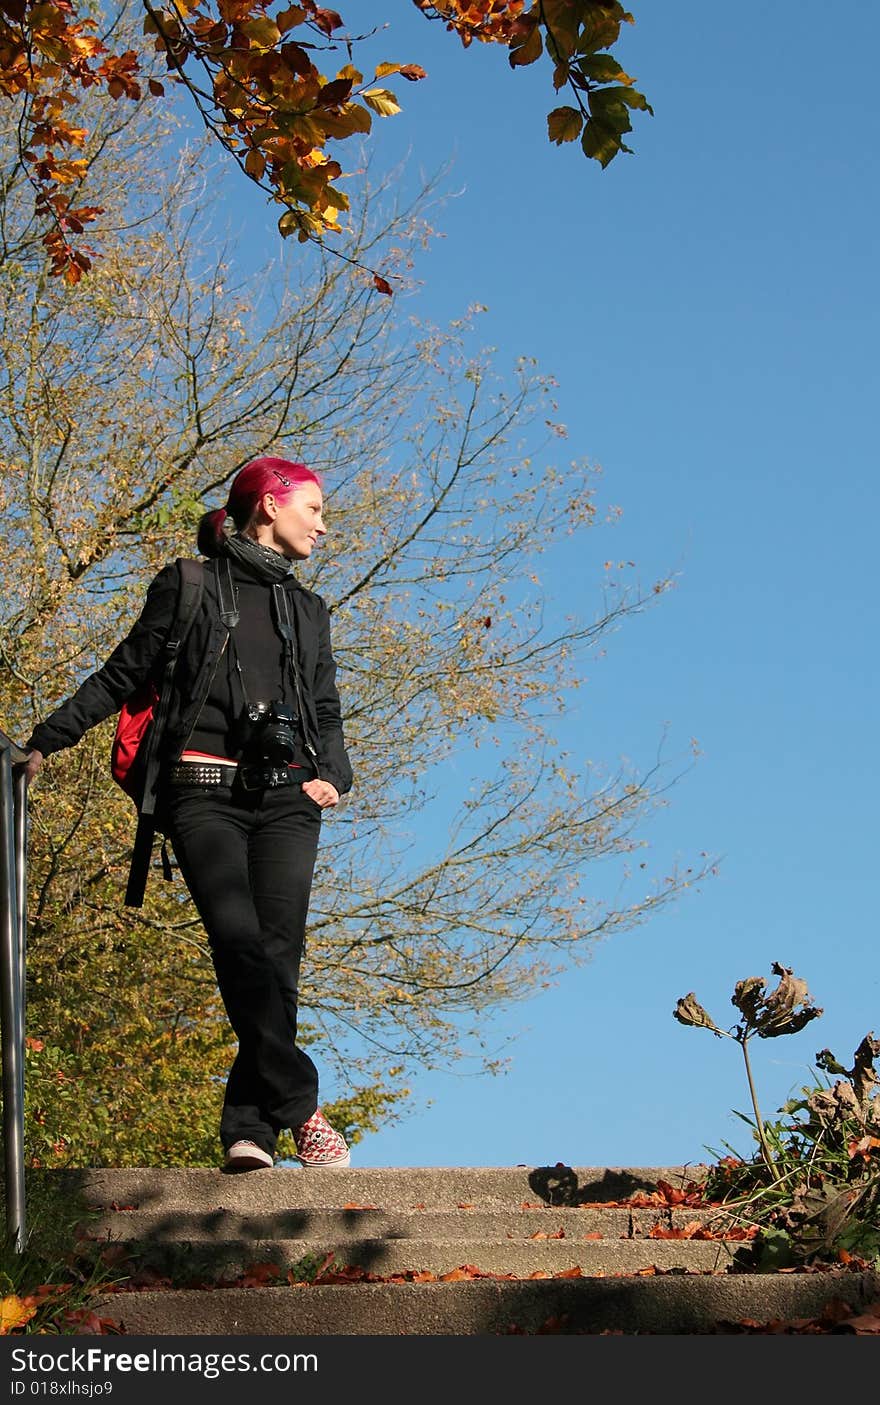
pixel 335 766
pixel 104 692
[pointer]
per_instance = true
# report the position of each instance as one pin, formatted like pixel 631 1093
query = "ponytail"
pixel 212 533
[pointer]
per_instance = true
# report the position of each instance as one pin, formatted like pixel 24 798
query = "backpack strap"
pixel 189 594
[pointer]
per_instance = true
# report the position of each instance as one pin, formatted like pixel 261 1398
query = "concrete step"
pixel 204 1227
pixel 672 1305
pixel 350 1224
pixel 202 1262
pixel 404 1188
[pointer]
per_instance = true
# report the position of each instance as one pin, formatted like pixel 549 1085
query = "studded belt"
pixel 201 773
pixel 210 773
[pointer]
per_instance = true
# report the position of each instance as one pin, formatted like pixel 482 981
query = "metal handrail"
pixel 13 931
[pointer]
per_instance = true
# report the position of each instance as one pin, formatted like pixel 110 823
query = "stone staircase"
pixel 432 1251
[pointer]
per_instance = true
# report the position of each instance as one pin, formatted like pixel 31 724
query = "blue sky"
pixel 709 308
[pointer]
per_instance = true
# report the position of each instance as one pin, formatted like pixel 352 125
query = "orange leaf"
pixel 575 1272
pixel 88 1323
pixel 864 1147
pixel 864 1325
pixel 382 285
pixel 258 1275
pixel 14 1312
pixel 325 1263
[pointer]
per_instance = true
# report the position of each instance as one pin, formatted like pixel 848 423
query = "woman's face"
pixel 296 523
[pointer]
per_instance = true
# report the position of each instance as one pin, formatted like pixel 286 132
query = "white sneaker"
pixel 247 1156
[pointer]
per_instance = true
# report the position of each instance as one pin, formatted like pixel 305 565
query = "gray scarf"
pixel 269 565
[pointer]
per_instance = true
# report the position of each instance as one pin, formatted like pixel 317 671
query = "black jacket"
pixel 140 655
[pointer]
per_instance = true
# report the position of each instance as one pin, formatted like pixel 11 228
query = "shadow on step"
pixel 559 1185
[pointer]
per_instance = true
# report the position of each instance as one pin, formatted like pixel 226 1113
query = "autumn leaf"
pixel 259 1275
pixel 88 1323
pixel 381 100
pixel 14 1312
pixel 564 124
pixel 528 51
pixel 865 1146
pixel 411 71
pixel 688 1010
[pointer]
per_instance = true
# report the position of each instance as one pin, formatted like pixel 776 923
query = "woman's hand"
pixel 322 792
pixel 31 765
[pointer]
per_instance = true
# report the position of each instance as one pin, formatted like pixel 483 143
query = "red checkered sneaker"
pixel 317 1144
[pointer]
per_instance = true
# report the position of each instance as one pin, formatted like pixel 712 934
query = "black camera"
pixel 272 732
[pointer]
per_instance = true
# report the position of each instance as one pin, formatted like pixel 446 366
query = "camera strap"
pixel 230 616
pixel 286 630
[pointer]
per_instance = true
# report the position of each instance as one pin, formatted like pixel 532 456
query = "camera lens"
pixel 278 738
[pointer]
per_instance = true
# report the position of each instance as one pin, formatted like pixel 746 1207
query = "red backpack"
pixel 134 756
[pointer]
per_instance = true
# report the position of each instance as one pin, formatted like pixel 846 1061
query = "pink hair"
pixel 280 477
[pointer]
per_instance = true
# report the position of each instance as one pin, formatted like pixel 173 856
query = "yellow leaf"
pixel 564 124
pixel 255 164
pixel 383 69
pixel 381 101
pixel 14 1313
pixel 263 32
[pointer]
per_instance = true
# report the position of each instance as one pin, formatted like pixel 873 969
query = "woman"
pixel 253 752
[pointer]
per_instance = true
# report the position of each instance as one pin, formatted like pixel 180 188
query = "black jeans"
pixel 247 858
